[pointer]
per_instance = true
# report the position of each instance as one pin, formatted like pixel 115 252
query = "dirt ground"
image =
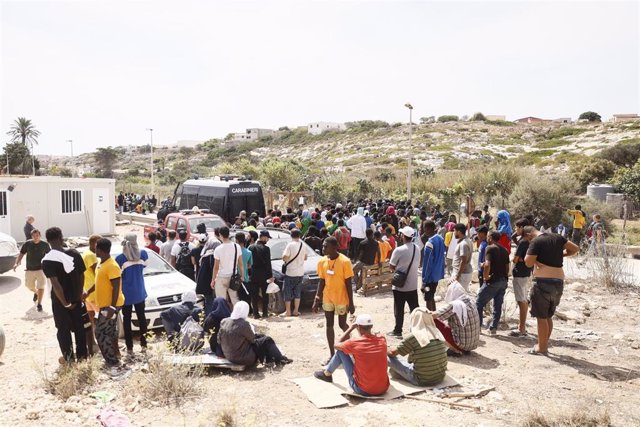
pixel 594 365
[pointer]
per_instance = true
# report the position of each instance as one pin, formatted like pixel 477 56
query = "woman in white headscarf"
pixel 458 321
pixel 132 261
pixel 241 345
pixel 426 352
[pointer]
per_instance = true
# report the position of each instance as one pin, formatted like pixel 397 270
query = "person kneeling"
pixel 175 316
pixel 241 345
pixel 427 353
pixel 367 372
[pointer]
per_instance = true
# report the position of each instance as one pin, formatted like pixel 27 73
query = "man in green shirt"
pixel 426 350
pixel 35 249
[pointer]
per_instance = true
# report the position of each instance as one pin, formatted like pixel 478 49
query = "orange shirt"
pixel 385 250
pixel 370 366
pixel 335 291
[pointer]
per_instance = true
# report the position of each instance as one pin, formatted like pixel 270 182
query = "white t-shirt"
pixel 451 250
pixel 165 250
pixel 296 267
pixel 224 255
pixel 175 250
pixel 358 226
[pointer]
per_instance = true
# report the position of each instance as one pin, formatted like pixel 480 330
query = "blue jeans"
pixel 344 359
pixel 492 291
pixel 403 368
pixel 292 287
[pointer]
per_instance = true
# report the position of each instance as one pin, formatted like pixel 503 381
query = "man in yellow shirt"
pixel 579 220
pixel 108 299
pixel 334 290
pixel 91 263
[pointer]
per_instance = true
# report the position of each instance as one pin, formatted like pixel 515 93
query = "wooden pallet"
pixel 376 279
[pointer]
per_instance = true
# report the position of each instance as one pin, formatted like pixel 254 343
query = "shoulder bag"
pixel 400 278
pixel 236 281
pixel 284 266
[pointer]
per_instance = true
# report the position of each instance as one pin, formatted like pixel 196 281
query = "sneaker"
pixel 493 332
pixel 321 376
pixel 35 297
pixel 394 334
pixel 39 307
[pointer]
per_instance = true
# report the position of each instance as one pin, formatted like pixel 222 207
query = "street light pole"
pixel 409 166
pixel 70 141
pixel 151 140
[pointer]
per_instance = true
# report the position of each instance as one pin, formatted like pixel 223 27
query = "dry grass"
pixel 613 271
pixel 227 417
pixel 72 379
pixel 580 418
pixel 164 383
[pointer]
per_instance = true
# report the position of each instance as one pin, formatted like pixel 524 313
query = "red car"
pixel 189 221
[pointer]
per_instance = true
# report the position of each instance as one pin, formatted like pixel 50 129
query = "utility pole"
pixel 151 145
pixel 409 166
pixel 70 141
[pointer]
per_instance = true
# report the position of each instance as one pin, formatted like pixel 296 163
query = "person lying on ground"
pixel 367 372
pixel 458 321
pixel 175 316
pixel 242 346
pixel 426 364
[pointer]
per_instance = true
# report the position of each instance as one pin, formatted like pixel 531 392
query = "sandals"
pixel 518 334
pixel 535 352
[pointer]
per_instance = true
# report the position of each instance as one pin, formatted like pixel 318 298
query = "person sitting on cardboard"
pixel 426 350
pixel 175 316
pixel 367 371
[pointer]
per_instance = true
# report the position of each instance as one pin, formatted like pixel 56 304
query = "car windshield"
pixel 210 223
pixel 277 247
pixel 156 265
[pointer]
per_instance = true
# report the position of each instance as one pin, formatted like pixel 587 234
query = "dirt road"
pixel 594 365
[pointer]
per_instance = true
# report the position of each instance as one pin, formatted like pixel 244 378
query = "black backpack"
pixel 183 260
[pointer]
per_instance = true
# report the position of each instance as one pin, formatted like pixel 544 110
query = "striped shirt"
pixel 466 337
pixel 429 362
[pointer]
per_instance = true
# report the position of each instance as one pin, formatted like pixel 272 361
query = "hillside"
pixel 370 149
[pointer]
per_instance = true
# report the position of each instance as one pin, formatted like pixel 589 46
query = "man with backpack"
pixel 343 236
pixel 181 255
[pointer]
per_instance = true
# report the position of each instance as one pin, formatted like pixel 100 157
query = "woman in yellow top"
pixel 579 220
pixel 109 299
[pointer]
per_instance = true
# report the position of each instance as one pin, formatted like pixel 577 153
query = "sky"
pixel 102 72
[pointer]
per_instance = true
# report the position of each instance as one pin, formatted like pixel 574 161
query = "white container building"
pixel 79 206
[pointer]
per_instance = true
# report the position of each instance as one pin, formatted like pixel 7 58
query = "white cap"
pixel 203 238
pixel 408 231
pixel 189 296
pixel 364 320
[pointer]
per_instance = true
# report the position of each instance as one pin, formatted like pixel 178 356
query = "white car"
pixel 164 285
pixel 8 252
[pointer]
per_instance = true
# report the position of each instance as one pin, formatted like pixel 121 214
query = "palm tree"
pixel 22 130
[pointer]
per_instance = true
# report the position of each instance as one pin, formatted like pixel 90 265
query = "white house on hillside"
pixel 317 128
pixel 253 134
pixel 617 118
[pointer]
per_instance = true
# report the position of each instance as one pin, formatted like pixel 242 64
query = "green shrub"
pixel 508 141
pixel 564 131
pixel 591 116
pixel 366 125
pixel 448 118
pixel 627 181
pixel 541 195
pixel 552 143
pixel 478 117
pixel 622 154
pixel 499 122
pixel 593 171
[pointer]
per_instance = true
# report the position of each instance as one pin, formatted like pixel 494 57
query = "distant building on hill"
pixel 495 118
pixel 563 120
pixel 317 128
pixel 618 118
pixel 529 120
pixel 253 134
pixel 184 143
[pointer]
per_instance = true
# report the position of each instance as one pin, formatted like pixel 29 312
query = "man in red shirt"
pixel 343 235
pixel 152 243
pixel 367 371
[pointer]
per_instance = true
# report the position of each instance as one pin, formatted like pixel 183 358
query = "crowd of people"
pixel 138 203
pixel 232 268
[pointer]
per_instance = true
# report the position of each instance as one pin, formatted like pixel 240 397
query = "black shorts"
pixel 429 294
pixel 545 296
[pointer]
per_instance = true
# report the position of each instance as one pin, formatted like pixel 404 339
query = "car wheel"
pixel 276 303
pixel 1 340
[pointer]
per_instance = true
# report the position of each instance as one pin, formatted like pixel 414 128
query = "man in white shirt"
pixel 223 267
pixel 165 250
pixel 358 226
pixel 462 269
pixel 293 257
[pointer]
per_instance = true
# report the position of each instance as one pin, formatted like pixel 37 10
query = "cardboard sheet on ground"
pixel 331 395
pixel 208 359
